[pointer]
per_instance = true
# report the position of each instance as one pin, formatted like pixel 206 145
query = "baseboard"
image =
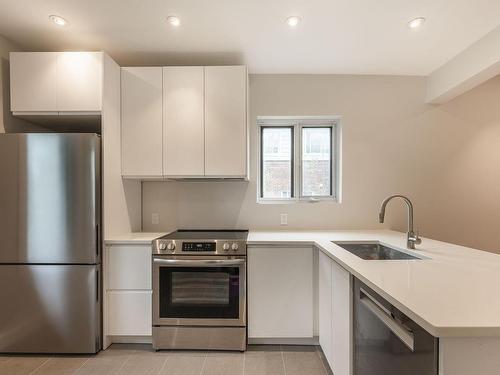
pixel 325 362
pixel 284 341
pixel 130 340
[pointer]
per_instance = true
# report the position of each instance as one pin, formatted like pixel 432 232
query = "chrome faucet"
pixel 412 238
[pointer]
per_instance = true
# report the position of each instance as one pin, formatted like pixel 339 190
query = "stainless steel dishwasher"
pixel 386 341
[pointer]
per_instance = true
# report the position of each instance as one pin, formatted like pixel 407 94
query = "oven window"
pixel 199 292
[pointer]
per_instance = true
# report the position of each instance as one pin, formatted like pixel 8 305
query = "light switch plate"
pixel 155 219
pixel 284 219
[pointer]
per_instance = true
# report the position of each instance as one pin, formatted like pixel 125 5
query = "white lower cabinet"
pixel 325 295
pixel 335 315
pixel 280 292
pixel 129 313
pixel 128 293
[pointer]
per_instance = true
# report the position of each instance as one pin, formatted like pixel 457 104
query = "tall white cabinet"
pixel 142 126
pixel 335 315
pixel 56 82
pixel 183 121
pixel 194 121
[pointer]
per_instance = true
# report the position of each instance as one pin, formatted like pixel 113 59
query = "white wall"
pixel 446 158
pixel 8 123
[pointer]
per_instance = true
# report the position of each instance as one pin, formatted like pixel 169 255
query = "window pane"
pixel 316 161
pixel 276 174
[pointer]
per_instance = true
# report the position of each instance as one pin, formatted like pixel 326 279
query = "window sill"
pixel 297 200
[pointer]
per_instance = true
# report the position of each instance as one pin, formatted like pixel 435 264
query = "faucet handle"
pixel 417 238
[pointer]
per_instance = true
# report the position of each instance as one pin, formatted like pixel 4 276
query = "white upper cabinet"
pixel 79 81
pixel 183 122
pixel 142 122
pixel 56 81
pixel 33 77
pixel 225 121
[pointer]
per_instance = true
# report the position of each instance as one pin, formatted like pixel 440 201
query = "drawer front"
pixel 129 313
pixel 129 267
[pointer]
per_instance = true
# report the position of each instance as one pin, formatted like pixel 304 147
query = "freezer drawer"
pixel 50 309
pixel 49 198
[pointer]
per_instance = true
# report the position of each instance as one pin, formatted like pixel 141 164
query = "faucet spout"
pixel 412 237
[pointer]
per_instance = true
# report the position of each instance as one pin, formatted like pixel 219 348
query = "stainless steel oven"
pixel 199 290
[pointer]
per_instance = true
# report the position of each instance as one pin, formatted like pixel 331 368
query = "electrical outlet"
pixel 155 219
pixel 284 219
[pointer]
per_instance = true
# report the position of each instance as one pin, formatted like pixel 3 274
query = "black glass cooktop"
pixel 207 234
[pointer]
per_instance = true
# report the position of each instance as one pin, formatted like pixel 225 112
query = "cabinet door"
pixel 325 305
pixel 129 313
pixel 183 128
pixel 280 292
pixel 79 81
pixel 225 121
pixel 341 320
pixel 33 78
pixel 129 267
pixel 142 122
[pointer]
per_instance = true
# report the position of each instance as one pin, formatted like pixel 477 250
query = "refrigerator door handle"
pixel 97 241
pixel 97 285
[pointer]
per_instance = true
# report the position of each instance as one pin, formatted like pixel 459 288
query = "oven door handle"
pixel 200 263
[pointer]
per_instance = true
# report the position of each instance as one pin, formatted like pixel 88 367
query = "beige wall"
pixel 8 123
pixel 446 158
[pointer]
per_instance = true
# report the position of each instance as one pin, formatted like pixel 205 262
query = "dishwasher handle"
pixel 384 315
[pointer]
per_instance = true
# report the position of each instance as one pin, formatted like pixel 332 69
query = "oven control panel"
pixel 215 247
pixel 199 246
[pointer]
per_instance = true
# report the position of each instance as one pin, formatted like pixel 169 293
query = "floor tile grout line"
pixel 8 359
pixel 129 356
pixel 204 362
pixel 164 365
pixel 83 364
pixel 283 359
pixel 41 364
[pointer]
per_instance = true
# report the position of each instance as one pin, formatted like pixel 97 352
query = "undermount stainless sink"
pixel 374 251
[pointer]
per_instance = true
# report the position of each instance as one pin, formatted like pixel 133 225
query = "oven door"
pixel 194 290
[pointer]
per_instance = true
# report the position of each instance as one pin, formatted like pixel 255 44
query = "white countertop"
pixel 453 293
pixel 138 238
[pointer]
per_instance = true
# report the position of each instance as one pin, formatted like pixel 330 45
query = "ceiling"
pixel 335 36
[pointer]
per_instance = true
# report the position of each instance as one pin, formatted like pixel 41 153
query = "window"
pixel 277 162
pixel 298 159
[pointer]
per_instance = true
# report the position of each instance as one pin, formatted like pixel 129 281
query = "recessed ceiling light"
pixel 58 20
pixel 416 23
pixel 293 21
pixel 174 21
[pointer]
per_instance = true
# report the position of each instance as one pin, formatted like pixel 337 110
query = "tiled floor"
pixel 141 359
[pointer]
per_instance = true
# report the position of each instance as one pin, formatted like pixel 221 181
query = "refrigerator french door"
pixel 50 249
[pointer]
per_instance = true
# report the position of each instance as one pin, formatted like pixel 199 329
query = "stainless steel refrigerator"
pixel 50 299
